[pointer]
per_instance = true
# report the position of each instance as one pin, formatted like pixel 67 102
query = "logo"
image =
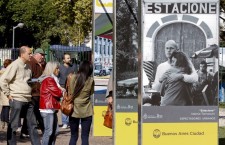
pixel 156 133
pixel 128 121
pixel 145 116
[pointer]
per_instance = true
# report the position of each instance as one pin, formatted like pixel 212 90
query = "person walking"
pixel 4 101
pixel 50 94
pixel 14 85
pixel 64 70
pixel 82 86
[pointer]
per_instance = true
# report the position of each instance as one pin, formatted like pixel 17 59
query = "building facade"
pixel 103 52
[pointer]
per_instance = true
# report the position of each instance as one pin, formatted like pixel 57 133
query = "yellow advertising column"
pixel 126 124
pixel 100 107
pixel 179 42
pixel 102 50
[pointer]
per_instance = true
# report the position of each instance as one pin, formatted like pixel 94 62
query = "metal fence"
pixel 54 52
pixel 8 53
pixel 77 53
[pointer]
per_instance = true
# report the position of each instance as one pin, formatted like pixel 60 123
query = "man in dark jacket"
pixel 36 69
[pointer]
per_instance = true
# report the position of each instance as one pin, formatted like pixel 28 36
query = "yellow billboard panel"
pixel 180 133
pixel 98 128
pixel 126 131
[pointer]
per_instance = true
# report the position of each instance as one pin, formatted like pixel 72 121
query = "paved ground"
pixel 64 134
pixel 221 116
pixel 62 139
pixel 100 81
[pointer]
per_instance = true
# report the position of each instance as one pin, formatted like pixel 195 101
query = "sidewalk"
pixel 221 117
pixel 62 139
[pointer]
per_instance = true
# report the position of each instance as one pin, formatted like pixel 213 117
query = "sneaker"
pixel 23 136
pixel 65 126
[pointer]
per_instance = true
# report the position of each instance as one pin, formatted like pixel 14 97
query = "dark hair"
pixel 203 62
pixel 85 71
pixel 7 62
pixel 182 61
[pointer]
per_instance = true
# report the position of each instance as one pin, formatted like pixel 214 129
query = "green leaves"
pixel 46 21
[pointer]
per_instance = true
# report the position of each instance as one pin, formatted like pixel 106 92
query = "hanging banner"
pixel 180 62
pixel 126 80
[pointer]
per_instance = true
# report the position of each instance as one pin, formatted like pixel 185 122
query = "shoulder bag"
pixel 67 102
pixel 108 118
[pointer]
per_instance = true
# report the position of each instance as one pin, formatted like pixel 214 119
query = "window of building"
pixel 96 48
pixel 109 50
pixel 104 49
pixel 100 49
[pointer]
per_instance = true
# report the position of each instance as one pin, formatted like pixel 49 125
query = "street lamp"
pixel 20 25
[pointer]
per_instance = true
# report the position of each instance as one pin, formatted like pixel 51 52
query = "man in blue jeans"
pixel 64 70
pixel 14 85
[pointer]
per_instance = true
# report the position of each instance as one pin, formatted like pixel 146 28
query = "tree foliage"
pixel 46 22
pixel 126 33
pixel 75 16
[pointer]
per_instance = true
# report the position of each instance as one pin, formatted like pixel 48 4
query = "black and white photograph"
pixel 180 54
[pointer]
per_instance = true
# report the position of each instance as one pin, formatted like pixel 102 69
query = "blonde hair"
pixel 50 68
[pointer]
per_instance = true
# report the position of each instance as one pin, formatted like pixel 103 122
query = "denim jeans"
pixel 16 107
pixel 51 128
pixel 36 101
pixel 5 114
pixel 85 129
pixel 65 119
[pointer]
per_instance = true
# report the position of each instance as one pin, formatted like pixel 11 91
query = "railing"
pixel 8 53
pixel 55 52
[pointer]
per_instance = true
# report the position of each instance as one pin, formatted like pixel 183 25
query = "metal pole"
pixel 13 37
pixel 140 68
pixel 79 36
pixel 20 25
pixel 221 76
